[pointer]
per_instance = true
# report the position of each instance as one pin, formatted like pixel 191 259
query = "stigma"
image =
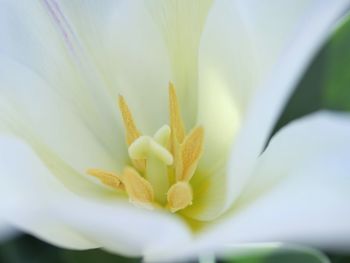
pixel 161 165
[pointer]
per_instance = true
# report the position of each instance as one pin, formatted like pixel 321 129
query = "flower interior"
pixel 162 165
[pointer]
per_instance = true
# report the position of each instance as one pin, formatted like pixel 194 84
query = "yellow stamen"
pixel 179 196
pixel 190 152
pixel 177 129
pixel 132 133
pixel 176 122
pixel 110 179
pixel 139 190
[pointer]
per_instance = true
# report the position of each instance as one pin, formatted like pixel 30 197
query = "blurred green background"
pixel 326 85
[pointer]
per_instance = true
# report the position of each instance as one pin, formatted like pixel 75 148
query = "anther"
pixel 110 179
pixel 189 154
pixel 179 196
pixel 139 190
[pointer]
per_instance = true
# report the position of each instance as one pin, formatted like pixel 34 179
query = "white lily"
pixel 233 63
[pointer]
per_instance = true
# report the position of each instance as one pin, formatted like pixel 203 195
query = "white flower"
pixel 233 63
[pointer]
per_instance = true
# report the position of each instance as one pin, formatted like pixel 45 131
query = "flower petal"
pixel 295 145
pixel 61 86
pixel 242 42
pixel 29 38
pixel 299 191
pixel 42 206
pixel 244 82
pixel 181 23
pixel 124 47
pixel 244 252
pixel 29 188
pixel 122 228
pixel 51 126
pixel 91 52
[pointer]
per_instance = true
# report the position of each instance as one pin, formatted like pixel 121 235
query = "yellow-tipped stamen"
pixel 132 133
pixel 110 179
pixel 190 152
pixel 176 122
pixel 139 190
pixel 177 130
pixel 179 196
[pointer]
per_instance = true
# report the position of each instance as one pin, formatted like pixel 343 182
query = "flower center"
pixel 162 164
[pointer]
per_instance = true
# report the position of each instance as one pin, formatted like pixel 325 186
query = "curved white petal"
pixel 29 36
pixel 50 59
pixel 305 177
pixel 295 145
pixel 33 111
pixel 243 252
pixel 311 208
pixel 122 228
pixel 250 61
pixel 90 52
pixel 242 42
pixel 29 188
pixel 122 46
pixel 181 23
pixel 42 206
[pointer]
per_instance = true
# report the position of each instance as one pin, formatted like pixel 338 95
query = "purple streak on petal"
pixel 95 88
pixel 57 17
pixel 72 41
